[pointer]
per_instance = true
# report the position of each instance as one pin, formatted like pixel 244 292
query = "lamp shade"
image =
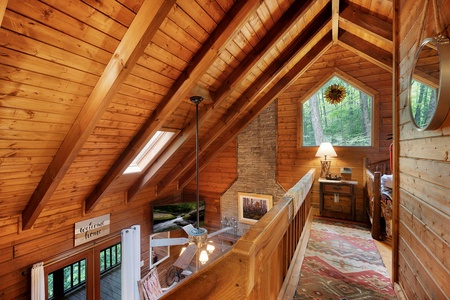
pixel 203 257
pixel 326 149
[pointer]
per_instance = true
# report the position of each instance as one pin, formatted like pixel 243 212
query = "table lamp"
pixel 325 149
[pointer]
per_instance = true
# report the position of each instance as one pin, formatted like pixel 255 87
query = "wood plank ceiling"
pixel 84 84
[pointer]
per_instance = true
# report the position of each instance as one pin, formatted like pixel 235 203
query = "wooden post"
pixel 376 214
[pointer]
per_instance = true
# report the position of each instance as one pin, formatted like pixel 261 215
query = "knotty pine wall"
pixel 424 168
pixel 214 180
pixel 52 235
pixel 294 160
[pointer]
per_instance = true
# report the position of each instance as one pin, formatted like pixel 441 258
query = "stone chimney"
pixel 257 162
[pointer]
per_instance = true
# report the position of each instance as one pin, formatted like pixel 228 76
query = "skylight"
pixel 150 151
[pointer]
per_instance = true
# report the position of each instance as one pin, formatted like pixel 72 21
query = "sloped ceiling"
pixel 85 84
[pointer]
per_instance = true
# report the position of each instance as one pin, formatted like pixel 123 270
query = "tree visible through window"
pixel 423 102
pixel 348 123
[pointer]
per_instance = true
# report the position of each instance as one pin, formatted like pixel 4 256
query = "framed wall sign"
pixel 89 230
pixel 253 206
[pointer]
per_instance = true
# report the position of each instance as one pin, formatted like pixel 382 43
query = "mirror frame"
pixel 442 44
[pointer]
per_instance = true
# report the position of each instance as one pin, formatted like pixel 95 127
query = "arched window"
pixel 346 123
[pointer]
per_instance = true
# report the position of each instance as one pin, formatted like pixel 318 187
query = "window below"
pixel 71 277
pixel 110 258
pixel 149 153
pixel 348 123
pixel 69 282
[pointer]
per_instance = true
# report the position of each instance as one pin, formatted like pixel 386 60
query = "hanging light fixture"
pixel 198 234
pixel 196 100
pixel 210 248
pixel 203 257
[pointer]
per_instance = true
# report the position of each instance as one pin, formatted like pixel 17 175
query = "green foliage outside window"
pixel 50 285
pixel 423 103
pixel 75 274
pixel 67 277
pixel 348 123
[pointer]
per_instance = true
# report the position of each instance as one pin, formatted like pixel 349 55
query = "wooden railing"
pixel 256 266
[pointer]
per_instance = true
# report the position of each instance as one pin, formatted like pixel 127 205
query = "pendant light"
pixel 198 231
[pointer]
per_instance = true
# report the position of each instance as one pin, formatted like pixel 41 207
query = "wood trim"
pixel 88 255
pixel 92 255
pixel 139 34
pixel 356 83
pixel 233 130
pixel 335 20
pixel 178 92
pixel 374 54
pixel 337 72
pixel 396 82
pixel 286 22
pixel 96 268
pixel 257 265
pixel 305 40
pixel 371 25
pixel 138 142
pixel 372 185
pixel 3 5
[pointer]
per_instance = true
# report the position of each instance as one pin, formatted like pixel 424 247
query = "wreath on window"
pixel 335 93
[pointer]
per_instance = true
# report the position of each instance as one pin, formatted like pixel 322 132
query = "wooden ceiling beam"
pixel 372 53
pixel 289 19
pixel 363 48
pixel 284 24
pixel 335 19
pixel 3 5
pixel 318 26
pixel 374 27
pixel 225 31
pixel 233 130
pixel 145 24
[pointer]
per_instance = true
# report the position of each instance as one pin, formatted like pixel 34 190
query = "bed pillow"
pixel 386 181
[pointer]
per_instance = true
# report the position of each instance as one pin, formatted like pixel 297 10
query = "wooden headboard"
pixel 372 190
pixel 382 166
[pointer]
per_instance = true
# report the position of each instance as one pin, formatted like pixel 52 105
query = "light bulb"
pixel 203 257
pixel 210 248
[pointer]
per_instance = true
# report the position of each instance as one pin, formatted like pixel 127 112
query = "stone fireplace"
pixel 256 159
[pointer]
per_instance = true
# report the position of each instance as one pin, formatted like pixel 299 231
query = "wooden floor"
pixel 288 290
pixel 110 284
pixel 110 287
pixel 385 250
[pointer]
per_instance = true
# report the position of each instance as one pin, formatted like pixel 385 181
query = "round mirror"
pixel 429 92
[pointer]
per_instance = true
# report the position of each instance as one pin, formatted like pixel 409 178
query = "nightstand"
pixel 338 198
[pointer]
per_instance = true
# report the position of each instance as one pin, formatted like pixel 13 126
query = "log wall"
pixel 421 176
pixel 52 237
pixel 295 160
pixel 52 234
pixel 423 167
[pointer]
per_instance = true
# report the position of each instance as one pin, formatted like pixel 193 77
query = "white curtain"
pixel 131 262
pixel 37 282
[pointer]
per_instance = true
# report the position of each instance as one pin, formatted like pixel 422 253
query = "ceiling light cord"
pixel 196 100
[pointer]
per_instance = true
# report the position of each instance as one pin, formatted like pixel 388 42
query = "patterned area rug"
pixel 342 262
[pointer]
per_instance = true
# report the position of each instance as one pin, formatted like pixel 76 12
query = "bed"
pixel 378 198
